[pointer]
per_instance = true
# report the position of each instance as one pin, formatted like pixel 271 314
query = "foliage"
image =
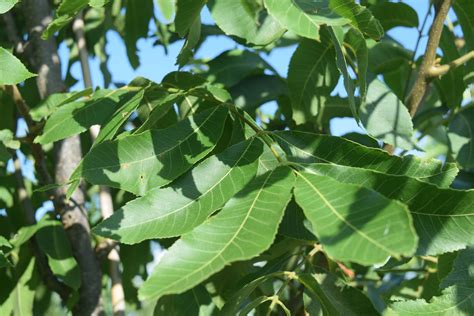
pixel 253 212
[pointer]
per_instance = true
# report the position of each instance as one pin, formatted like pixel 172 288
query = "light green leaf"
pixel 337 37
pixel 312 75
pixel 98 3
pixel 442 217
pixel 391 15
pixel 186 203
pixel 304 17
pixel 461 137
pixel 52 240
pixel 453 301
pixel 385 117
pixel 186 13
pixel 247 20
pixel 333 299
pixel 76 117
pixel 354 223
pixel 12 71
pixel 244 228
pixel 138 163
pixel 67 10
pixel 360 17
pixel 167 8
pixel 305 147
pixel 6 5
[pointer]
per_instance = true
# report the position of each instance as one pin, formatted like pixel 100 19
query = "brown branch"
pixel 38 14
pixel 419 88
pixel 105 197
pixel 436 71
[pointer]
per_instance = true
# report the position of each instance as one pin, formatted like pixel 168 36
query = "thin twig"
pixel 436 71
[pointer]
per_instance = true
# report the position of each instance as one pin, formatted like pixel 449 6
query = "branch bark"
pixel 68 155
pixel 419 88
pixel 105 198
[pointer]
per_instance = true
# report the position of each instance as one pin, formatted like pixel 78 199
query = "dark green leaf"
pixel 391 15
pixel 186 13
pixel 461 137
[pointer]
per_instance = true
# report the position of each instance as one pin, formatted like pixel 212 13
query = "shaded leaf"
pixel 186 13
pixel 333 299
pixel 186 203
pixel 246 226
pixel 391 15
pixel 354 223
pixel 385 117
pixel 257 90
pixel 461 137
pixel 137 18
pixel 312 76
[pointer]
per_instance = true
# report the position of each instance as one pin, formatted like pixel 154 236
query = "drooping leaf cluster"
pixel 254 212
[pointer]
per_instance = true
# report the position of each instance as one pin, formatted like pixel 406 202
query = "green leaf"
pixel 442 217
pixel 354 223
pixel 247 20
pixel 305 147
pixel 244 228
pixel 167 8
pixel 76 117
pixel 361 18
pixel 461 137
pixel 190 44
pixel 337 37
pixel 391 15
pixel 6 5
pixel 137 18
pixel 334 299
pixel 138 163
pixel 293 224
pixel 67 10
pixel 126 107
pixel 387 56
pixel 256 90
pixel 232 66
pixel 196 301
pixel 186 13
pixel 23 295
pixel 304 17
pixel 187 202
pixel 49 105
pixel 462 272
pixel 312 76
pixel 385 117
pixel 355 42
pixel 451 85
pixel 52 240
pixel 453 301
pixel 12 71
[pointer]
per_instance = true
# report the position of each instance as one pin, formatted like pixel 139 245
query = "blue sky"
pixel 155 64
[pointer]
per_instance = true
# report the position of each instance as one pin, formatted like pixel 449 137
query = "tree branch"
pixel 105 198
pixel 436 71
pixel 419 88
pixel 68 155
